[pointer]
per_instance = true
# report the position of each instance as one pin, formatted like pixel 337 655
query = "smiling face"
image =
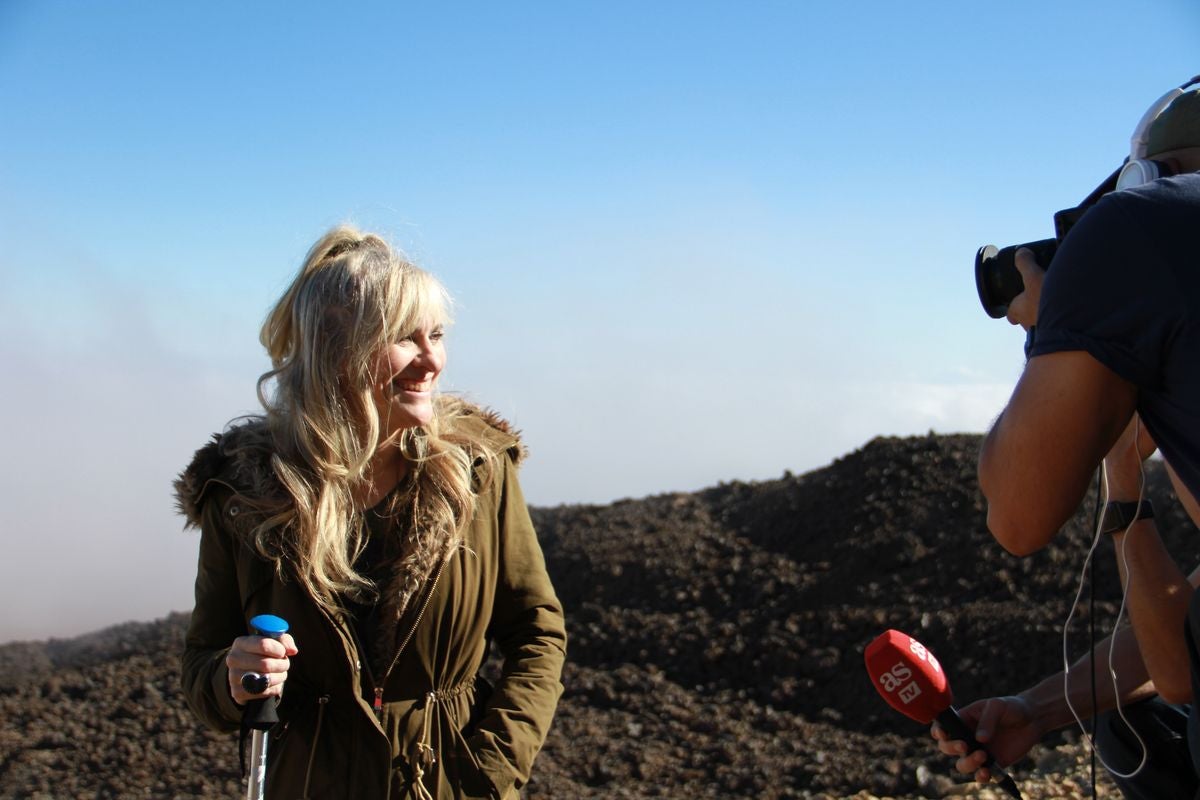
pixel 406 374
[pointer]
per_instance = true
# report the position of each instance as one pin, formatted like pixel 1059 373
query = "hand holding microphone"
pixel 1005 725
pixel 911 680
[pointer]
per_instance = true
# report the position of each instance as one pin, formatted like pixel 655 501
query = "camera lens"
pixel 996 277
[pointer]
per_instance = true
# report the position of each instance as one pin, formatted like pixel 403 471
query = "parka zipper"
pixel 378 704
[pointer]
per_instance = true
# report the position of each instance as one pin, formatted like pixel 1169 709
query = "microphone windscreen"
pixel 907 676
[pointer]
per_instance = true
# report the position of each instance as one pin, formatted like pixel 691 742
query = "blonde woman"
pixel 385 523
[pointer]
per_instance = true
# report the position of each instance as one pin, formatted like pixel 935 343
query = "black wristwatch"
pixel 1119 516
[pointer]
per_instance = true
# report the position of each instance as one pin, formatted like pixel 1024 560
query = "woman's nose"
pixel 429 354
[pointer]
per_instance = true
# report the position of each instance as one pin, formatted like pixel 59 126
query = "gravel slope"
pixel 715 651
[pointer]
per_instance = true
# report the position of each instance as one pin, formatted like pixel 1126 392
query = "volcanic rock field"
pixel 716 646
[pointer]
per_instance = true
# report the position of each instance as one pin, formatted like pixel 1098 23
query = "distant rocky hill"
pixel 715 651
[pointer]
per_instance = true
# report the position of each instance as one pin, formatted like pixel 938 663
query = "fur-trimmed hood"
pixel 240 457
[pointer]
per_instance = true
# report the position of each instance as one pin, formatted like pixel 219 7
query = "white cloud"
pixel 99 425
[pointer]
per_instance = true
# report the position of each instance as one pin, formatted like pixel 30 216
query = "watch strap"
pixel 1119 515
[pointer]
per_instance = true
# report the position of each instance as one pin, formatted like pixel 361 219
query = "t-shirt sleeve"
pixel 1106 293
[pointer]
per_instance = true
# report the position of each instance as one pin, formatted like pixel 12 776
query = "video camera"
pixel 996 275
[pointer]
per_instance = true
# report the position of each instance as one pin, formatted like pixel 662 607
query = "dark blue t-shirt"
pixel 1125 287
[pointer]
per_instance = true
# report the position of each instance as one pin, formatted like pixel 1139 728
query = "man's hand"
pixel 1005 725
pixel 1024 307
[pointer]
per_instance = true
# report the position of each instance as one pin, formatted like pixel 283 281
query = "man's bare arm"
pixel 1065 413
pixel 1158 592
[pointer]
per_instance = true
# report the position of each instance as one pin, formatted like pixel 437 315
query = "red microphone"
pixel 911 680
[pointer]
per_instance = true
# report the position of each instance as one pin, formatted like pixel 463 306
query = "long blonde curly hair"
pixel 352 297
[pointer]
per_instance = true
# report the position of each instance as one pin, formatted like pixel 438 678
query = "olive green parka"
pixel 441 732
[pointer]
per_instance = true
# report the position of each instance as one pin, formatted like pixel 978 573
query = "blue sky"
pixel 689 242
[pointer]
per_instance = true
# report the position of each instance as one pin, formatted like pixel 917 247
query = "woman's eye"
pixel 435 335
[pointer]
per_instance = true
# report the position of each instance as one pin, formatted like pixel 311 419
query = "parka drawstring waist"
pixel 426 755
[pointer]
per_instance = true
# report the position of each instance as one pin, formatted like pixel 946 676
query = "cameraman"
pixel 1114 369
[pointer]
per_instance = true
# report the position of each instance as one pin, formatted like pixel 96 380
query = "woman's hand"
pixel 1004 725
pixel 264 656
pixel 1024 307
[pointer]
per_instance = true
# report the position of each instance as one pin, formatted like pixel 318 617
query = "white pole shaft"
pixel 256 783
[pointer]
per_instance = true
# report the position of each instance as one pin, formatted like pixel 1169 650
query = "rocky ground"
pixel 715 652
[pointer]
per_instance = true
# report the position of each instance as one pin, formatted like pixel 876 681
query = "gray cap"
pixel 1177 126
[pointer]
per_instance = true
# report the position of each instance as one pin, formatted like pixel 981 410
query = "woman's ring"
pixel 254 683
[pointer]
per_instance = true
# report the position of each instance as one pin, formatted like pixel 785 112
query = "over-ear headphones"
pixel 1139 169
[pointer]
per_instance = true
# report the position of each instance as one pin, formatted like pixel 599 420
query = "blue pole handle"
pixel 260 715
pixel 269 625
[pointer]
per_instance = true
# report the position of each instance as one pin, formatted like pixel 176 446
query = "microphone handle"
pixel 953 724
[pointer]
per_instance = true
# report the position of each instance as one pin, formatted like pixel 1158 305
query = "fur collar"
pixel 240 457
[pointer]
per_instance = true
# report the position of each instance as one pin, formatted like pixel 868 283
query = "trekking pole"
pixel 260 715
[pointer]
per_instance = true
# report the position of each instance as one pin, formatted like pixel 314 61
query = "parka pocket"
pixel 482 694
pixel 297 764
pixel 466 774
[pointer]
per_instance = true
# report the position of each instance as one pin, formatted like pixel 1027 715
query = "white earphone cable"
pixel 1116 625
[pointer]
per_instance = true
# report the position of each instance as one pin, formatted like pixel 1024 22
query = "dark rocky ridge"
pixel 716 643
